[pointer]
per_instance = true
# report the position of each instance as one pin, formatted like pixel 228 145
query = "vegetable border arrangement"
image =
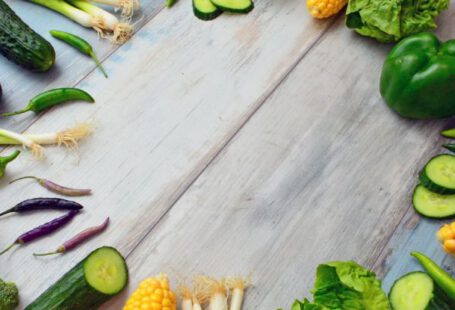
pixel 417 82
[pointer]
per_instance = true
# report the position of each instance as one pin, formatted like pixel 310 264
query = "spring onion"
pixel 237 285
pixel 106 21
pixel 127 6
pixel 215 291
pixel 68 138
pixel 186 297
pixel 91 16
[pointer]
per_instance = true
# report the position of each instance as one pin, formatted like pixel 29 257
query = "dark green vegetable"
pixel 391 20
pixel 417 290
pixel 170 3
pixel 433 205
pixel 92 282
pixel 450 147
pixel 79 44
pixel 9 295
pixel 438 175
pixel 53 97
pixel 418 77
pixel 19 43
pixel 205 10
pixel 4 161
pixel 439 275
pixel 234 6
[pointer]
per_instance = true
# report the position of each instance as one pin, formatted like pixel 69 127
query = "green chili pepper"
pixel 6 160
pixel 53 97
pixel 79 44
pixel 170 3
pixel 440 276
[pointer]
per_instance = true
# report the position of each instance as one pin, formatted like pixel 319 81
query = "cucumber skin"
pixel 424 215
pixel 233 10
pixel 20 44
pixel 435 188
pixel 72 292
pixel 206 16
pixel 440 301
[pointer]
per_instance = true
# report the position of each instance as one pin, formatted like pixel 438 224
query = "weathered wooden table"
pixel 253 143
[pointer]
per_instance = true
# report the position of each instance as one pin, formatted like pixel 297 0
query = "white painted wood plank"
pixel 178 91
pixel 20 85
pixel 321 172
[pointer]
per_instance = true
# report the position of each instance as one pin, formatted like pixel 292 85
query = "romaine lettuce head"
pixel 392 20
pixel 348 286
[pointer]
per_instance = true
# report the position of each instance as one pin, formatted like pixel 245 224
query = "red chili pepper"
pixel 43 230
pixel 78 239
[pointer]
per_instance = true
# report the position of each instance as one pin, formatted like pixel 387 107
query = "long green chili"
pixel 4 161
pixel 79 44
pixel 53 97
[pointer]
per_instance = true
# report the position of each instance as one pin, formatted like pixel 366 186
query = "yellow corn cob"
pixel 446 235
pixel 325 8
pixel 152 294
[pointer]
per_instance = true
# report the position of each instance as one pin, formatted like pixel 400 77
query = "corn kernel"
pixel 152 294
pixel 325 8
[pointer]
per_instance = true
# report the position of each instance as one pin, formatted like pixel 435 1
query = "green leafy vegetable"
pixel 9 295
pixel 391 20
pixel 345 286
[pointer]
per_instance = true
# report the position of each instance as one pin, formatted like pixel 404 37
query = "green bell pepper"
pixel 6 160
pixel 418 77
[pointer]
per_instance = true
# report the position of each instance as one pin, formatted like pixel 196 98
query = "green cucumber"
pixel 438 175
pixel 92 282
pixel 205 10
pixel 417 291
pixel 20 44
pixel 433 205
pixel 234 6
pixel 449 147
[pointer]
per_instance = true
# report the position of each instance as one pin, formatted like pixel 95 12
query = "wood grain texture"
pixel 20 85
pixel 321 172
pixel 178 91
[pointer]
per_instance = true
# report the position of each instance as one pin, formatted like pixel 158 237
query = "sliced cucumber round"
pixel 433 205
pixel 92 282
pixel 234 6
pixel 413 291
pixel 438 175
pixel 205 10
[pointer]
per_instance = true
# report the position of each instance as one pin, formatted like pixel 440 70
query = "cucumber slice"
pixel 450 147
pixel 417 291
pixel 433 205
pixel 205 10
pixel 92 282
pixel 234 6
pixel 438 175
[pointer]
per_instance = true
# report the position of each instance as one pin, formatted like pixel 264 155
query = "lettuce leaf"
pixel 345 286
pixel 391 20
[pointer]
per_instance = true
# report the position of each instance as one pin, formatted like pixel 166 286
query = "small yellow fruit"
pixel 152 294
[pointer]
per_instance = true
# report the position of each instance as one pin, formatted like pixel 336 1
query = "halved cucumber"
pixel 205 10
pixel 438 175
pixel 417 291
pixel 235 6
pixel 433 205
pixel 92 282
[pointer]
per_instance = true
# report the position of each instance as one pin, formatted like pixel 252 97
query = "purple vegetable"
pixel 53 187
pixel 79 238
pixel 43 204
pixel 43 230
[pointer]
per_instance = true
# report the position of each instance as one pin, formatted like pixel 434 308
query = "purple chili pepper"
pixel 59 189
pixel 79 238
pixel 43 230
pixel 43 204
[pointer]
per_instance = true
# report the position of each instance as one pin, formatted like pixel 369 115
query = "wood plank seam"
pixel 102 60
pixel 259 103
